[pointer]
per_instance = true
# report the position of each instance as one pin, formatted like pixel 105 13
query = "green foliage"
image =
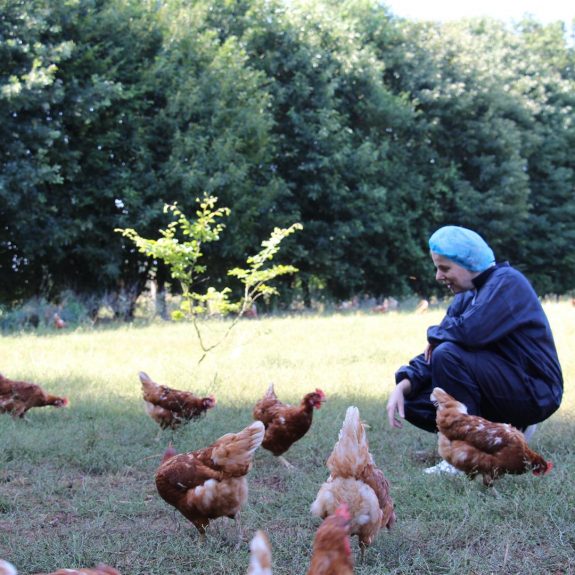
pixel 183 261
pixel 486 128
pixel 217 125
pixel 369 130
pixel 183 257
pixel 72 111
pixel 256 277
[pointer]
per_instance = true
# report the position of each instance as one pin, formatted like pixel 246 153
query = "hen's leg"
pixel 239 533
pixel 285 462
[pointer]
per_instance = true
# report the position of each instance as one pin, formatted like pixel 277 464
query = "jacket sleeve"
pixel 498 308
pixel 418 372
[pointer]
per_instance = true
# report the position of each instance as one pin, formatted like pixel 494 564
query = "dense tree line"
pixel 369 130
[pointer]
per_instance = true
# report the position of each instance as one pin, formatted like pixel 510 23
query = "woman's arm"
pixel 396 403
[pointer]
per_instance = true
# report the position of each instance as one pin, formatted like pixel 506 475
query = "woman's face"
pixel 453 276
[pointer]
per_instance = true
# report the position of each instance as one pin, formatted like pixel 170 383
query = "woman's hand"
pixel 396 403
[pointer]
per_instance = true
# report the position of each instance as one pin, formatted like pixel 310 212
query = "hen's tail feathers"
pixel 147 382
pixel 238 448
pixel 260 555
pixel 270 391
pixel 443 400
pixel 351 452
pixel 6 568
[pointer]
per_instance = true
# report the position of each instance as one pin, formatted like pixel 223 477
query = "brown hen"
pixel 331 549
pixel 356 481
pixel 171 407
pixel 477 446
pixel 17 397
pixel 211 482
pixel 59 323
pixel 285 424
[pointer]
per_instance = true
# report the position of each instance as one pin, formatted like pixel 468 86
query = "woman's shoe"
pixel 443 467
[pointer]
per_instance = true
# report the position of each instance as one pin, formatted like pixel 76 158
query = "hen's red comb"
pixel 343 511
pixel 545 471
pixel 169 453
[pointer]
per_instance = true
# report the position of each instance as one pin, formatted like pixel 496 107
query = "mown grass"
pixel 77 487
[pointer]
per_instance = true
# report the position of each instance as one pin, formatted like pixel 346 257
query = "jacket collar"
pixel 480 280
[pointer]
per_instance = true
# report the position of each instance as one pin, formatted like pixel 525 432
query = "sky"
pixel 508 10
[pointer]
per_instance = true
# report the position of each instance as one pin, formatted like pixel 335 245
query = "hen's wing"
pixel 232 453
pixel 268 407
pixel 483 435
pixel 229 456
pixel 375 478
pixel 185 471
pixel 162 395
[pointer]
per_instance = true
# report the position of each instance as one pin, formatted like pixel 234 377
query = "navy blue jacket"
pixel 503 315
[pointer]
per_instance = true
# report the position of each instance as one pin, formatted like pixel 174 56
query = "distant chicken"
pixel 7 568
pixel 17 397
pixel 331 548
pixel 59 323
pixel 422 306
pixel 211 482
pixel 356 481
pixel 260 555
pixel 170 407
pixel 477 446
pixel 285 424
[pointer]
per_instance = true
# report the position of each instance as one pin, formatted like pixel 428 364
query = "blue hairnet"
pixel 462 246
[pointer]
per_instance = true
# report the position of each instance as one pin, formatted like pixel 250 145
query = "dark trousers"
pixel 488 384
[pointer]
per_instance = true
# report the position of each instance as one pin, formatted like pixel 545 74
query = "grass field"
pixel 77 485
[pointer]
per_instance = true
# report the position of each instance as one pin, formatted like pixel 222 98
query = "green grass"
pixel 77 485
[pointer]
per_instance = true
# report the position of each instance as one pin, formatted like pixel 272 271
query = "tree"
pixel 216 125
pixel 73 144
pixel 545 64
pixel 485 96
pixel 336 132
